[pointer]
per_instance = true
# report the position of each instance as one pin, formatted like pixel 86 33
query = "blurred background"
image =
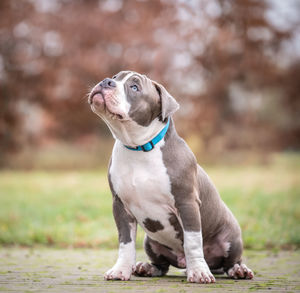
pixel 233 65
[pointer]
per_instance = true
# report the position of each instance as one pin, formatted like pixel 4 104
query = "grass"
pixel 74 208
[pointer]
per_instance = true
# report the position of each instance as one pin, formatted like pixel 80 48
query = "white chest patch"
pixel 141 181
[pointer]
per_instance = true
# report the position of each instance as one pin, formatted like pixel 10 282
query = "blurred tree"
pixel 242 77
pixel 223 59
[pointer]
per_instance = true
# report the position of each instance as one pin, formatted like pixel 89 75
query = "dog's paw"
pixel 119 272
pixel 200 273
pixel 240 272
pixel 147 270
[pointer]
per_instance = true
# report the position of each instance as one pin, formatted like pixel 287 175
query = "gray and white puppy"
pixel 160 186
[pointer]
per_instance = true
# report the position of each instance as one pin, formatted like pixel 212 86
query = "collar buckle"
pixel 145 150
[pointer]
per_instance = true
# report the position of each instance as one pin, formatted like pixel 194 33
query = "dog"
pixel 156 182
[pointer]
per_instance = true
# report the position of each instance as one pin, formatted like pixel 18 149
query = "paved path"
pixel 81 270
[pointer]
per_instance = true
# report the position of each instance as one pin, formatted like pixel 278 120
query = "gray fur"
pixel 168 104
pixel 121 75
pixel 145 103
pixel 177 227
pixel 182 169
pixel 150 101
pixel 163 258
pixel 152 225
pixel 199 204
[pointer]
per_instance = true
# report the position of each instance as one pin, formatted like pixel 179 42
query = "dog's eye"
pixel 134 88
pixel 114 76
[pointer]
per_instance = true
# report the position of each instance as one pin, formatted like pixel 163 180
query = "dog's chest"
pixel 142 183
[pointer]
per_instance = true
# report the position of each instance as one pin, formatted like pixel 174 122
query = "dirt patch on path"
pixel 75 270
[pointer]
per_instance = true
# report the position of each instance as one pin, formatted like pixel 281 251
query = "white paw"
pixel 240 272
pixel 200 273
pixel 119 272
pixel 147 270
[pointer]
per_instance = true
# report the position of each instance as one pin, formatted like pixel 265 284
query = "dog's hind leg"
pixel 159 262
pixel 233 265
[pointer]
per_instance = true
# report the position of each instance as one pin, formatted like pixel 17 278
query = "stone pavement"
pixel 81 270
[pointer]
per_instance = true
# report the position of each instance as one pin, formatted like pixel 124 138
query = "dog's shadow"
pixel 179 278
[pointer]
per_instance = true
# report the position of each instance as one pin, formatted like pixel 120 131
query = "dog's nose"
pixel 108 83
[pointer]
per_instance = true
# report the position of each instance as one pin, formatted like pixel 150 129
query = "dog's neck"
pixel 133 134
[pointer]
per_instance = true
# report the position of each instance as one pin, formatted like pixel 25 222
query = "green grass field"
pixel 74 208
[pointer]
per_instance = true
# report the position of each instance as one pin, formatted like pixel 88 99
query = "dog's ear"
pixel 168 104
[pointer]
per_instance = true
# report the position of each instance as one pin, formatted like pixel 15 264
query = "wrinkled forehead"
pixel 128 76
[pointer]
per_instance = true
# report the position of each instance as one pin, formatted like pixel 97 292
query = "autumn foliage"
pixel 232 67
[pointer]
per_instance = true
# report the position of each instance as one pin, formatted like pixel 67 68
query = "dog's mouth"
pixel 97 99
pixel 91 97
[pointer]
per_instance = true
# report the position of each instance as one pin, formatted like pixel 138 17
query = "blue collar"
pixel 149 146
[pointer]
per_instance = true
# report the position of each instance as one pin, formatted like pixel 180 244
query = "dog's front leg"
pixel 197 268
pixel 126 225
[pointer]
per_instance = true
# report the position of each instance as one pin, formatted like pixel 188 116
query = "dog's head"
pixel 130 101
